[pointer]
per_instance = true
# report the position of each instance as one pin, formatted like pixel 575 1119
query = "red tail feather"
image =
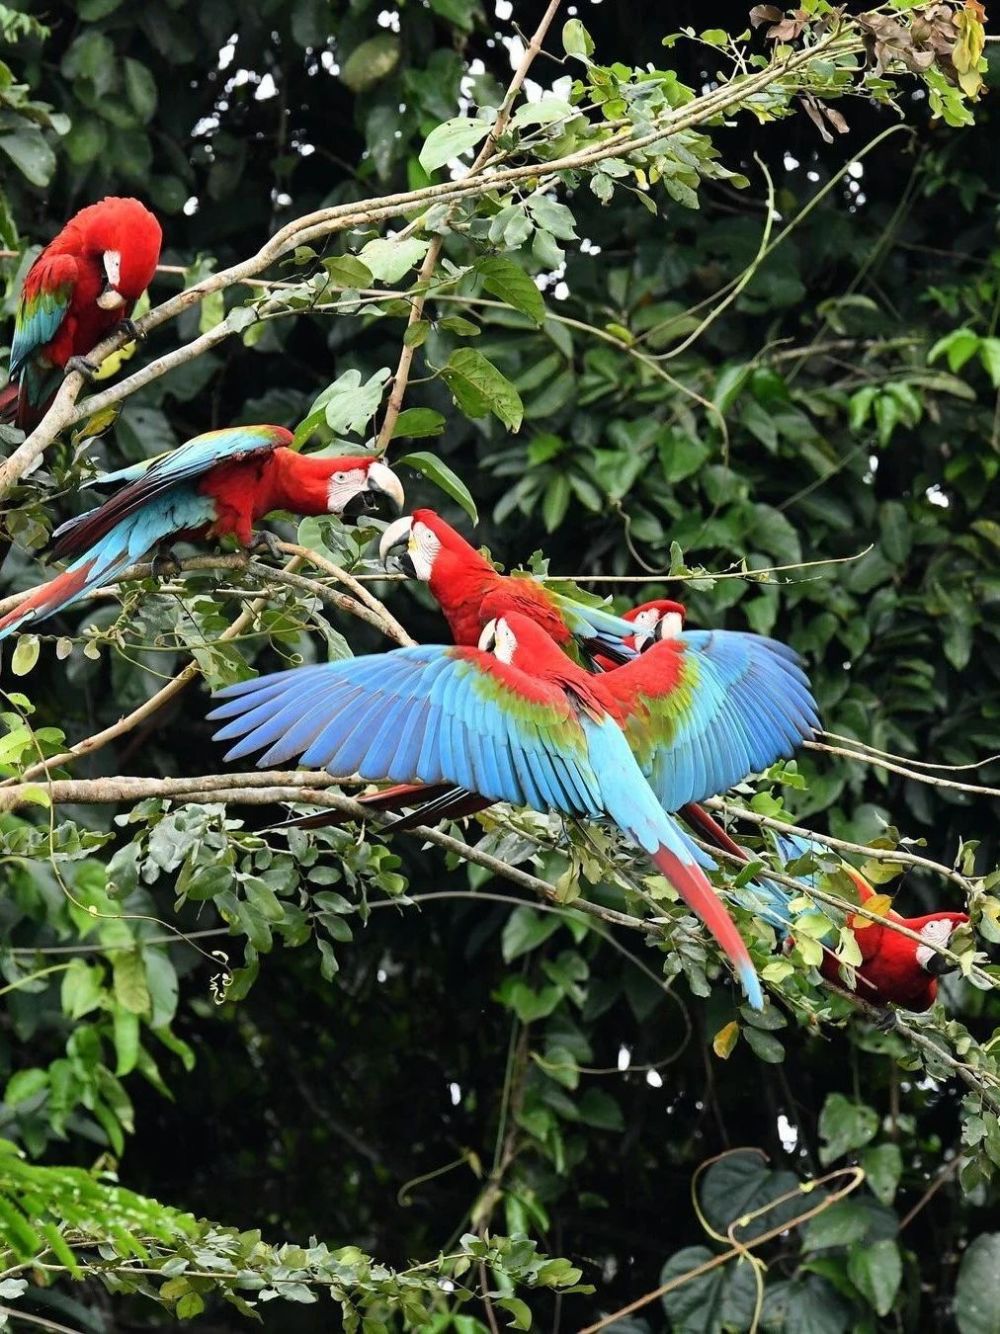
pixel 48 597
pixel 693 886
pixel 698 818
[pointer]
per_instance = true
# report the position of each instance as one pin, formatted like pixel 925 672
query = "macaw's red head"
pixel 659 619
pixel 427 540
pixel 123 238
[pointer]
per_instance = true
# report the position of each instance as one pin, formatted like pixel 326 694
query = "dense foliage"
pixel 756 363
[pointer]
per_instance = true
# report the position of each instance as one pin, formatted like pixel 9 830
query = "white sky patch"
pixel 654 1079
pixel 328 62
pixel 588 247
pixel 624 1058
pixel 787 1133
pixel 812 175
pixel 937 497
pixel 503 10
pixel 515 49
pixel 382 975
pixel 228 53
pixel 856 169
pixel 282 199
pixel 455 1093
pixel 389 18
pixel 791 163
pixel 561 291
pixel 266 88
pixel 873 462
pixel 191 206
pixel 207 125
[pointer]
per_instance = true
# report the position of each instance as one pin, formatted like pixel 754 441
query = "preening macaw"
pixel 659 619
pixel 84 283
pixel 894 969
pixel 216 485
pixel 515 720
pixel 461 579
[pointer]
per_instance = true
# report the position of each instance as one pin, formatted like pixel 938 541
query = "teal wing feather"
pixel 706 710
pixel 149 481
pixel 48 290
pixel 427 714
pixel 595 627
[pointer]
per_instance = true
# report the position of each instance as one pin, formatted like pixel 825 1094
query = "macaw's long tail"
pixel 694 888
pixel 16 407
pixel 50 597
pixel 709 828
pixel 433 802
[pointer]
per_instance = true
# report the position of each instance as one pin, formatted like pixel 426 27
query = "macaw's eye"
pixel 340 476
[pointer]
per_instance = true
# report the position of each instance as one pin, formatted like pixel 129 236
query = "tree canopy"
pixel 702 314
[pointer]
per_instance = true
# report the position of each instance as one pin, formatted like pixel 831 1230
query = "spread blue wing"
pixel 706 710
pixel 186 464
pixel 427 714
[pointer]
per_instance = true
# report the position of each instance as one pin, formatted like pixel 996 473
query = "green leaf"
pixel 347 404
pixel 883 1165
pixel 27 149
pixel 131 989
pixel 844 1125
pixel 989 355
pixel 81 989
pixel 524 930
pixel 25 655
pixel 348 271
pixel 450 140
pixel 576 40
pixel 511 284
pixel 126 1034
pixel 415 423
pixel 371 62
pixel 23 1085
pixel 840 1225
pixel 431 467
pixel 388 259
pixel 722 1299
pixel 479 388
pixel 141 88
pixel 764 1045
pixel 876 1270
pixel 958 346
pixel 977 1292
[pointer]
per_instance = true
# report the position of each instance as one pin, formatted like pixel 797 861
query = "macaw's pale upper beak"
pixel 382 481
pixel 110 298
pixel 396 535
pixel 488 638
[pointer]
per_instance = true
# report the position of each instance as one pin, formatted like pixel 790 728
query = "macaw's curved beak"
pixel 395 536
pixel 939 965
pixel 380 482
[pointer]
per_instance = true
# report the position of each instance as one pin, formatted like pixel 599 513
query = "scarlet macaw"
pixel 461 579
pixel 516 720
pixel 659 619
pixel 894 969
pixel 216 485
pixel 84 283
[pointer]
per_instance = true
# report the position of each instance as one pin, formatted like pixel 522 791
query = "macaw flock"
pixel 655 721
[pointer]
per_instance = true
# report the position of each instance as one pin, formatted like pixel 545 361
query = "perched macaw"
pixel 894 969
pixel 216 485
pixel 84 283
pixel 516 720
pixel 461 579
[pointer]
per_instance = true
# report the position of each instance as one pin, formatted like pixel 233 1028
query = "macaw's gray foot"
pixel 265 543
pixel 86 368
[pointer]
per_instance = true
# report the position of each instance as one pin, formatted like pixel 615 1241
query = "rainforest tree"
pixel 704 314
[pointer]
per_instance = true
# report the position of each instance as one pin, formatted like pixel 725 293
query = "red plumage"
pixel 83 284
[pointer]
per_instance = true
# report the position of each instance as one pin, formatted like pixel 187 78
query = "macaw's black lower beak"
pixel 365 502
pixel 939 965
pixel 405 563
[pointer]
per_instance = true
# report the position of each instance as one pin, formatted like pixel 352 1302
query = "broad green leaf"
pixel 348 271
pixel 388 259
pixel 479 388
pixel 131 988
pixel 576 40
pixel 876 1270
pixel 722 1299
pixel 526 929
pixel 977 1292
pixel 883 1164
pixel 450 140
pixel 27 149
pixel 414 423
pixel 431 467
pixel 958 346
pixel 371 62
pixel 844 1125
pixel 511 284
pixel 25 654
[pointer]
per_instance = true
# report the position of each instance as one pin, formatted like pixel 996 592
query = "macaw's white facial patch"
pixel 645 621
pixel 343 486
pixel 671 625
pixel 505 642
pixel 423 548
pixel 940 933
